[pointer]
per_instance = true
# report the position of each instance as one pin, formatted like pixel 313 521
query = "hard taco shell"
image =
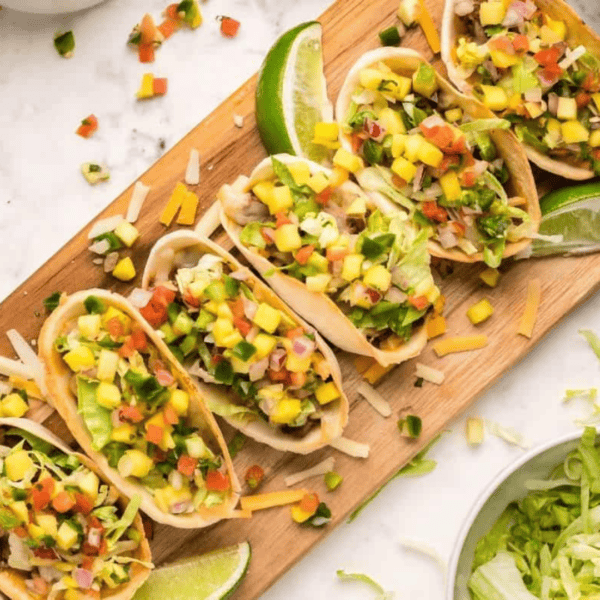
pixel 58 377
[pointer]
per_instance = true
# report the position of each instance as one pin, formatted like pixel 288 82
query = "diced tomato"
pixel 127 349
pixel 309 503
pixel 440 135
pixel 40 586
pixel 159 455
pixel 63 502
pixel 268 240
pixel 467 178
pixel 191 300
pixel 164 377
pixel 131 413
pixel 139 339
pixel 503 44
pixel 103 547
pixel 450 160
pixel 146 53
pixel 170 416
pixel 280 375
pixel 520 43
pixel 548 56
pixel 186 465
pixel 88 550
pixel 154 434
pixel 434 212
pixel 323 197
pixel 551 72
pixel 458 228
pixel 397 181
pixel 168 27
pixel 304 254
pixel 41 494
pixel 357 143
pixel 582 99
pixel 163 295
pixel 254 476
pixel 467 159
pixel 159 86
pixel 20 531
pixel 591 83
pixel 88 126
pixel 334 254
pixel 372 128
pixel 458 146
pixel 374 295
pixel 215 359
pixel 281 219
pixel 419 302
pixel 237 307
pixel 115 327
pixel 156 316
pixel 217 481
pixel 596 153
pixel 229 27
pixel 298 379
pixel 293 333
pixel 243 325
pixel 87 563
pixel 95 523
pixel 147 29
pixel 172 13
pixel 45 553
pixel 83 504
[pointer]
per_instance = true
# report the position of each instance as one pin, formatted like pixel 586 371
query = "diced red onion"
pixel 462 8
pixel 110 262
pixel 250 307
pixel 512 17
pixel 84 578
pixel 164 377
pixel 277 358
pixel 553 103
pixel 446 237
pixel 139 297
pixel 268 232
pixel 100 247
pixel 302 346
pixel 115 418
pixel 418 179
pixel 94 537
pixel 258 369
pixel 395 295
pixel 180 507
pixel 375 130
pixel 254 331
pixel 198 371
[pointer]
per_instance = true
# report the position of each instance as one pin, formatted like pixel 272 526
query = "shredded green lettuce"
pixel 592 339
pixel 116 530
pixel 381 593
pixel 484 125
pixel 97 418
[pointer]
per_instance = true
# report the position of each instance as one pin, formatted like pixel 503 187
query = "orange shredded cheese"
pixel 375 372
pixel 240 514
pixel 439 304
pixel 270 499
pixel 362 363
pixel 30 387
pixel 532 303
pixel 187 214
pixel 460 344
pixel 173 205
pixel 428 26
pixel 436 325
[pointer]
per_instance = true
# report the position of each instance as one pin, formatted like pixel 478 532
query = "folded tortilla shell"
pixel 578 33
pixel 317 308
pixel 12 581
pixel 509 148
pixel 58 378
pixel 335 414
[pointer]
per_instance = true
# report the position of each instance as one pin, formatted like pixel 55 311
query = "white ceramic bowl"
pixel 49 7
pixel 507 486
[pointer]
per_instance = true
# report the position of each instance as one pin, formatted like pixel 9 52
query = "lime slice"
pixel 573 213
pixel 291 94
pixel 212 576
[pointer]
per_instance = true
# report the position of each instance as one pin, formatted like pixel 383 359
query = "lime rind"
pixel 212 576
pixel 568 195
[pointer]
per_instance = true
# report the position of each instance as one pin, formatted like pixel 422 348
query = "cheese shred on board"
pixel 351 448
pixel 460 344
pixel 173 205
pixel 319 469
pixel 532 303
pixel 374 398
pixel 270 499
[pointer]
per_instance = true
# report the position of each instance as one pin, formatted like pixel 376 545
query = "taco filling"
pixel 428 156
pixel 334 239
pixel 520 66
pixel 136 412
pixel 224 331
pixel 61 526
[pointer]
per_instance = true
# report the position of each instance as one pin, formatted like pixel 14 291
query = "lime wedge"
pixel 573 213
pixel 291 94
pixel 211 576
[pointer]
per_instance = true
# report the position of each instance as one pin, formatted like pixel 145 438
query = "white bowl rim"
pixel 487 492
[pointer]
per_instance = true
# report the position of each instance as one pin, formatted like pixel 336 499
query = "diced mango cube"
pixel 318 283
pixel 222 328
pixel 127 233
pixel 89 484
pixel 108 395
pixel 107 365
pixel 17 465
pixel 267 317
pixel 491 13
pixel 357 207
pixel 180 401
pixel 264 345
pixel 594 140
pixel 124 270
pixel 14 406
pixel 398 144
pixel 89 326
pixel 480 311
pixel 338 176
pixel 451 186
pixel 347 160
pixel 404 169
pixel 453 115
pixel 490 277
pixel 123 433
pixel 300 172
pixel 281 199
pixel 263 190
pixel 146 87
pixel 351 268
pixel 79 358
pixel 326 131
pixel 411 146
pixel 391 121
pixel 378 277
pixel 573 132
pixel 327 392
pixel 286 410
pixel 429 154
pixel 287 238
pixel 567 109
pixel 494 97
pixel 318 182
pixel 66 536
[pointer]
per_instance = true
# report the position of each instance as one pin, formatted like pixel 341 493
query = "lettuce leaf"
pixel 499 579
pixel 97 418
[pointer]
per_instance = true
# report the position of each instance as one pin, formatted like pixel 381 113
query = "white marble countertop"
pixel 44 200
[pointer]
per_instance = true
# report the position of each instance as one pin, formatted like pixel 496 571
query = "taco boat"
pixel 537 64
pixel 135 411
pixel 66 532
pixel 438 155
pixel 350 264
pixel 260 367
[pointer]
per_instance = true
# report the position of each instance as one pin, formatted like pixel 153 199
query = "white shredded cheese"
pixel 5 388
pixel 138 197
pixel 238 120
pixel 192 172
pixel 98 261
pixel 104 226
pixel 508 434
pixel 320 469
pixel 374 398
pixel 572 56
pixel 427 550
pixel 28 356
pixel 209 221
pixel 14 368
pixel 100 247
pixel 430 374
pixel 350 447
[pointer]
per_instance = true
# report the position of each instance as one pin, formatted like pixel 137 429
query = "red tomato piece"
pixel 237 307
pixel 21 532
pixel 440 135
pixel 309 503
pixel 139 339
pixel 419 302
pixel 154 434
pixel 582 99
pixel 304 254
pixel 520 43
pixel 168 27
pixel 281 219
pixel 83 504
pixel 127 349
pixel 280 375
pixel 163 295
pixel 217 481
pixel 63 502
pixel 155 316
pixel 146 53
pixel 170 416
pixel 548 56
pixel 551 71
pixel 115 327
pixel 357 143
pixel 254 476
pixel 88 126
pixel 297 379
pixel 503 44
pixel 323 197
pixel 397 181
pixel 40 498
pixel 159 86
pixel 459 228
pixel 172 13
pixel 591 83
pixel 87 563
pixel 467 178
pixel 131 413
pixel 434 212
pixel 293 333
pixel 191 300
pixel 186 465
pixel 374 295
pixel 46 553
pixel 229 27
pixel 243 325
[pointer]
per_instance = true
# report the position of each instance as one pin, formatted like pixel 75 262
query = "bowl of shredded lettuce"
pixel 534 532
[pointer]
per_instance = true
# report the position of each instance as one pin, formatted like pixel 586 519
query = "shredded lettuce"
pixel 251 236
pixel 116 530
pixel 499 579
pixel 381 593
pixel 379 179
pixel 97 418
pixel 484 125
pixel 592 339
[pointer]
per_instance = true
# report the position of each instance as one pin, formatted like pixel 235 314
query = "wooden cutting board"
pixel 350 28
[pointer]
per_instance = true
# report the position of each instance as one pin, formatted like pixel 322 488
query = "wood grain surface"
pixel 350 28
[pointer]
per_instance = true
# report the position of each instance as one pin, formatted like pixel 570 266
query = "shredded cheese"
pixel 14 368
pixel 28 356
pixel 350 447
pixel 436 325
pixel 30 387
pixel 428 26
pixel 262 501
pixel 374 398
pixel 210 221
pixel 238 120
pixel 375 372
pixel 138 197
pixel 239 514
pixel 532 303
pixel 192 172
pixel 362 363
pixel 104 226
pixel 460 344
pixel 187 214
pixel 320 469
pixel 173 205
pixel 430 374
